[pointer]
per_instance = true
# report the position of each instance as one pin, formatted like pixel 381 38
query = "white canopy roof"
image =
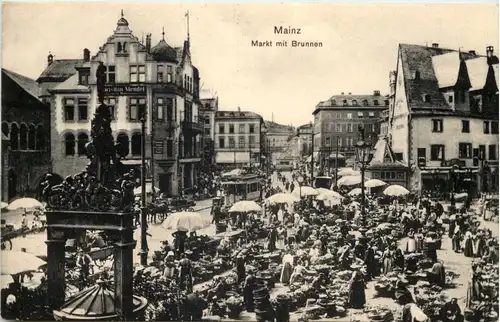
pixel 446 68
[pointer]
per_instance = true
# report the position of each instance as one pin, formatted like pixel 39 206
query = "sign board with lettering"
pixel 158 147
pixel 125 89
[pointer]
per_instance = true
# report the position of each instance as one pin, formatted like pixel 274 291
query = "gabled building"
pixel 445 118
pixel 158 84
pixel 208 109
pixel 25 137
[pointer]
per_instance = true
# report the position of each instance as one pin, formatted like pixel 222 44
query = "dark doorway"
pixel 12 184
pixel 166 183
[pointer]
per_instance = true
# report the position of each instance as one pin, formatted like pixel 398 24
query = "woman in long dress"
pixel 357 298
pixel 169 271
pixel 286 271
pixel 468 251
pixel 388 262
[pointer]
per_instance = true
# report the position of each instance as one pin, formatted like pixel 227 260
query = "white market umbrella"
pixel 235 172
pixel 185 221
pixel 396 191
pixel 355 192
pixel 373 183
pixel 26 203
pixel 349 181
pixel 15 262
pixel 460 196
pixel 327 194
pixel 5 280
pixel 305 191
pixel 149 189
pixel 348 172
pixel 281 198
pixel 3 205
pixel 245 206
pixel 333 202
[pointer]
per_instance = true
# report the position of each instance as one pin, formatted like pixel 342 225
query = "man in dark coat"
pixel 193 307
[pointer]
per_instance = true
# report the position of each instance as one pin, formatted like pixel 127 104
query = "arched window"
pixel 375 102
pixel 5 129
pixel 14 136
pixel 334 102
pixel 23 137
pixel 344 103
pixel 31 137
pixel 354 102
pixel 136 143
pixel 123 140
pixel 365 102
pixel 40 138
pixel 69 143
pixel 82 140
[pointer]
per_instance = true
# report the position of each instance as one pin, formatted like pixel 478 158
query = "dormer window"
pixel 365 102
pixel 345 103
pixel 334 102
pixel 110 74
pixel 354 103
pixel 83 78
pixel 375 102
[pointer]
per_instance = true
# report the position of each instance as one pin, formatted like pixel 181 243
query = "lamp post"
pixel 453 174
pixel 312 154
pixel 362 155
pixel 144 242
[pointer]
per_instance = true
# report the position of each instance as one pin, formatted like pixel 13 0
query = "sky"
pixel 360 44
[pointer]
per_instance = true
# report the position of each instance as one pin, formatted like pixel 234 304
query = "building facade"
pixel 304 134
pixel 25 137
pixel 441 94
pixel 208 109
pixel 279 136
pixel 338 121
pixel 156 84
pixel 238 138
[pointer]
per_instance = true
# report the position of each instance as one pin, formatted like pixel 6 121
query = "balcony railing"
pixel 190 155
pixel 192 126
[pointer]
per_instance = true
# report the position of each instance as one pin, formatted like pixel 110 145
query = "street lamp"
pixel 453 174
pixel 312 154
pixel 144 242
pixel 363 149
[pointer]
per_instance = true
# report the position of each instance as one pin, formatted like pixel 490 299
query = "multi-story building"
pixel 238 138
pixel 25 137
pixel 279 136
pixel 208 109
pixel 444 121
pixel 338 121
pixel 158 84
pixel 304 133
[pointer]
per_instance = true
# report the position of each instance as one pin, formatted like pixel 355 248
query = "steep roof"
pixel 60 70
pixel 416 58
pixel 28 84
pixel 353 101
pixel 71 84
pixel 446 68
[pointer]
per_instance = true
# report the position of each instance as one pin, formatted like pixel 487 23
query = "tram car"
pixel 242 187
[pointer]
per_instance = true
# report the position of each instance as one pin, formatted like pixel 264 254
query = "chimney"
pixel 349 93
pixel 342 93
pixel 50 59
pixel 148 43
pixel 489 51
pixel 435 45
pixel 376 93
pixel 239 109
pixel 472 52
pixel 86 55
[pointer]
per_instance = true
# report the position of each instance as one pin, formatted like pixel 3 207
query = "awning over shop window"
pixel 232 157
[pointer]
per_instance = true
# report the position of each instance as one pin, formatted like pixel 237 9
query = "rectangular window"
pixel 232 143
pixel 241 128
pixel 222 142
pixel 437 126
pixel 84 78
pixel 137 108
pixel 159 73
pixel 421 153
pixel 494 127
pixel 231 128
pixel 338 127
pixel 111 103
pixel 482 152
pixel 251 128
pixel 160 109
pixel 437 152
pixel 465 126
pixel 170 148
pixel 221 128
pixel 349 115
pixel 371 114
pixel 450 98
pixel 110 74
pixel 241 142
pixel 349 128
pixel 486 127
pixel 170 74
pixel 170 109
pixel 360 115
pixel 251 141
pixel 327 141
pixel 82 109
pixel 69 109
pixel 464 150
pixel 138 74
pixel 188 111
pixel 339 141
pixel 492 152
